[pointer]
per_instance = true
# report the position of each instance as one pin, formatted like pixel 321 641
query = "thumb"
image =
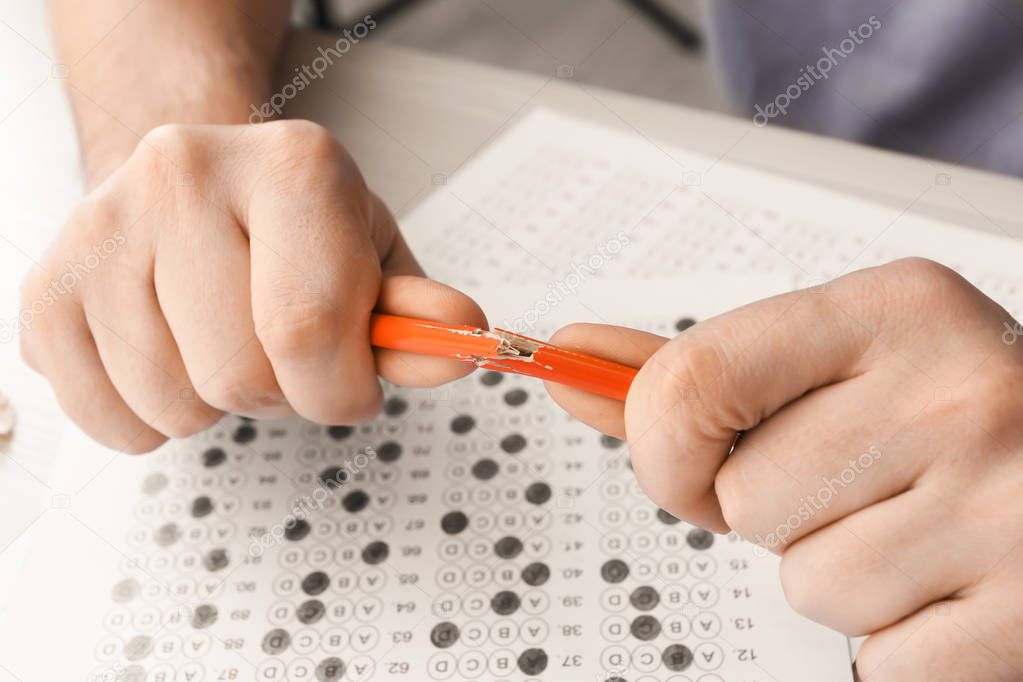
pixel 694 393
pixel 726 375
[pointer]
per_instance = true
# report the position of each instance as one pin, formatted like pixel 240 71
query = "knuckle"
pixel 28 348
pixel 999 412
pixel 822 581
pixel 170 138
pixel 297 329
pixel 916 281
pixel 358 406
pixel 918 267
pixel 692 389
pixel 738 500
pixel 30 343
pixel 96 418
pixel 168 149
pixel 231 395
pixel 699 376
pixel 987 406
pixel 305 157
pixel 32 287
pixel 303 135
pixel 95 213
pixel 241 394
pixel 185 420
pixel 36 321
pixel 804 584
pixel 94 223
pixel 695 363
pixel 673 398
pixel 303 145
pixel 28 352
pixel 685 373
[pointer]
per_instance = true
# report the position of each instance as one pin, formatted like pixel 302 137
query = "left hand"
pixel 881 456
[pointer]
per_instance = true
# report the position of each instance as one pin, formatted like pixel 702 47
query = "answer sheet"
pixel 473 531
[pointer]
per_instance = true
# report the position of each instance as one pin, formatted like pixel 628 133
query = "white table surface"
pixel 407 118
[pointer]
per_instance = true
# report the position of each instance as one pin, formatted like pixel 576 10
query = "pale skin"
pixel 898 383
pixel 248 260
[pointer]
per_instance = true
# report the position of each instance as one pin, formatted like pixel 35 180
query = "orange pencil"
pixel 503 351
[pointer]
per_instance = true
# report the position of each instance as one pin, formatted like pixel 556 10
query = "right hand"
pixel 228 269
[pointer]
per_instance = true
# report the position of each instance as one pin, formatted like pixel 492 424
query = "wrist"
pixel 111 124
pixel 104 148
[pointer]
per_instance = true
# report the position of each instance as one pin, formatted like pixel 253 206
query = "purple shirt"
pixel 940 78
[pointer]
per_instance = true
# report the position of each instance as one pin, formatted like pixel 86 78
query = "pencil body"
pixel 503 351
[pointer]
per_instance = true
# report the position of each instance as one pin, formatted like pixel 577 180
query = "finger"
pixel 831 453
pixel 726 375
pixel 398 259
pixel 140 356
pixel 871 569
pixel 429 300
pixel 620 344
pixel 951 640
pixel 315 260
pixel 202 282
pixel 61 348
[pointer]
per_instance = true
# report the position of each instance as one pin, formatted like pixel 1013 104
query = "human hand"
pixel 227 268
pixel 880 456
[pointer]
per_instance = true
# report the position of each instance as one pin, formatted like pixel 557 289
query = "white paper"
pixel 133 565
pixel 549 195
pixel 558 220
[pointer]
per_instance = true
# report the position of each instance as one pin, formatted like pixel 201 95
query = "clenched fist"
pixel 881 454
pixel 227 268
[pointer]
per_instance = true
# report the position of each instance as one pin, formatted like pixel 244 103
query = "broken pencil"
pixel 503 351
